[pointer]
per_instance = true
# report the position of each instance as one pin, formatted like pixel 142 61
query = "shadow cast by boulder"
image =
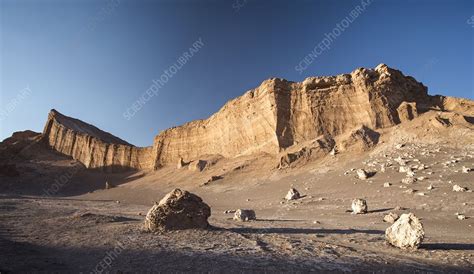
pixel 447 246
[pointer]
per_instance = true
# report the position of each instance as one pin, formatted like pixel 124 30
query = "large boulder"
pixel 178 210
pixel 406 233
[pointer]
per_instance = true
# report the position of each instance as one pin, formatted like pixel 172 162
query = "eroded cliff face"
pixel 279 114
pixel 273 118
pixel 92 146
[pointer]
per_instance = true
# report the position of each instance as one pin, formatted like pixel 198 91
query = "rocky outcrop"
pixel 91 146
pixel 281 118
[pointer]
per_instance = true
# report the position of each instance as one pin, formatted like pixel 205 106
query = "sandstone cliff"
pixel 279 114
pixel 277 117
pixel 91 146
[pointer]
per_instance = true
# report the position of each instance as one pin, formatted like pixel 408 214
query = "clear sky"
pixel 93 59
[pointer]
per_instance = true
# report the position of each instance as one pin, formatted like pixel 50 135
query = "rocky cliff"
pixel 91 146
pixel 277 116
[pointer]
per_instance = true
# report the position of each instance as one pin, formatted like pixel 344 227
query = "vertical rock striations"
pixel 279 114
pixel 275 117
pixel 91 146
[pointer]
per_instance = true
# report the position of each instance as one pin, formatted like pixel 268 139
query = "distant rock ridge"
pixel 272 118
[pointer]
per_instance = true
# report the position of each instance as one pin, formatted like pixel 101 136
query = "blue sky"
pixel 92 59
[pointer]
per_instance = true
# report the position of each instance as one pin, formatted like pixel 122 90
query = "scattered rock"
pixel 359 206
pixel 409 191
pixel 404 169
pixel 390 218
pixel 178 210
pixel 399 146
pixel 198 165
pixel 230 211
pixel 407 232
pixel 244 215
pixel 181 163
pixel 362 174
pixel 212 179
pixel 458 188
pixel 408 180
pixel 292 194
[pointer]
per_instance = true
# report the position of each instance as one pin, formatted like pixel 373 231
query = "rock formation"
pixel 91 146
pixel 407 232
pixel 176 211
pixel 288 119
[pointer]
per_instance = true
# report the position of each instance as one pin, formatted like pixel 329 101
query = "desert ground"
pixel 79 226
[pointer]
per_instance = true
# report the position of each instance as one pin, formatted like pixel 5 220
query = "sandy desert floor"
pixel 84 228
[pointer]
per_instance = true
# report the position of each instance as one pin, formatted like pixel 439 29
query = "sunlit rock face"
pixel 275 117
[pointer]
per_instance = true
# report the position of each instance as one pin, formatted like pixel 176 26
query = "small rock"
pixel 465 169
pixel 461 217
pixel 181 163
pixel 387 184
pixel 410 173
pixel 244 215
pixel 359 206
pixel 292 194
pixel 362 174
pixel 409 191
pixel 229 211
pixel 408 180
pixel 399 146
pixel 457 188
pixel 430 187
pixel 404 169
pixel 390 218
pixel 407 232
